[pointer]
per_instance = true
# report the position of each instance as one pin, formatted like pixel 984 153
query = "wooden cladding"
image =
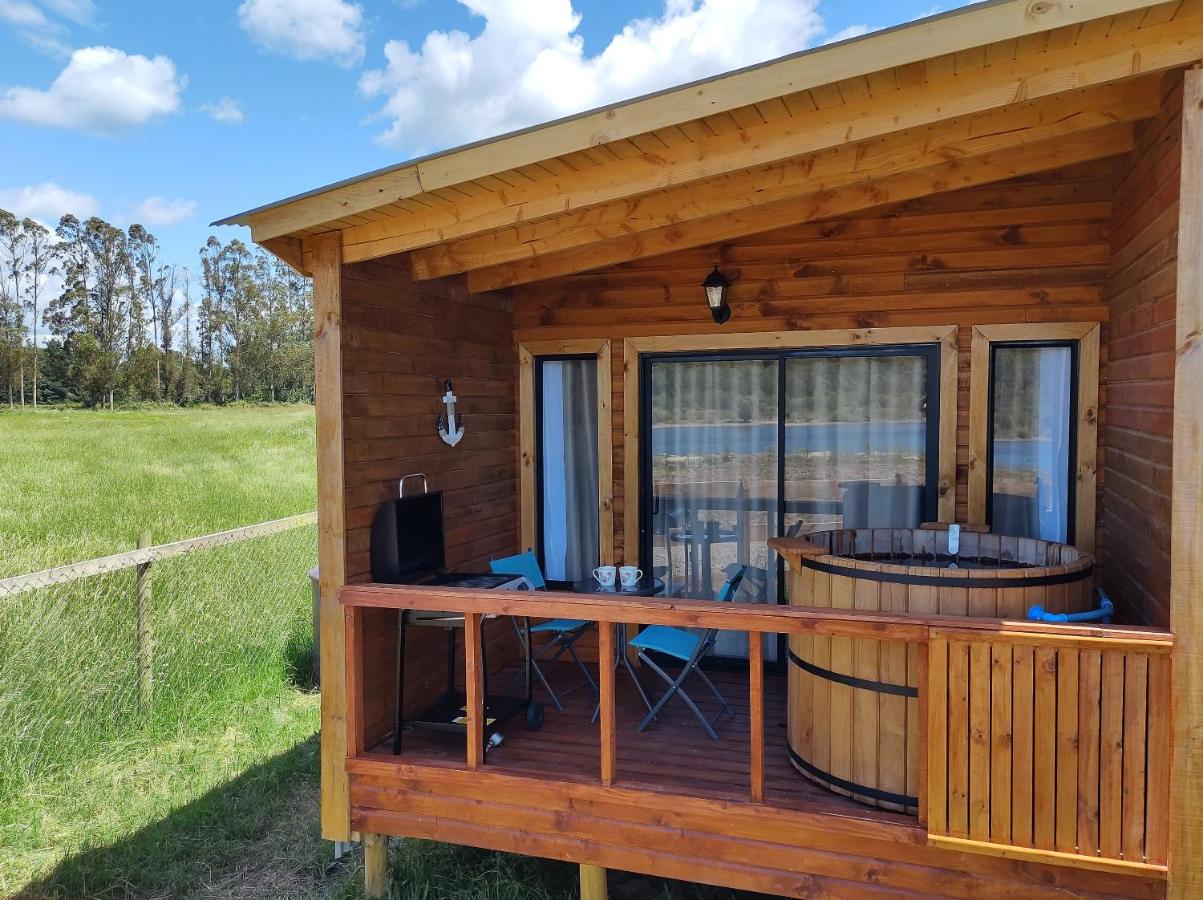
pixel 1057 749
pixel 1137 429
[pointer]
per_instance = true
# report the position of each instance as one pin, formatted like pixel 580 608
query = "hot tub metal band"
pixel 941 581
pixel 881 687
pixel 851 786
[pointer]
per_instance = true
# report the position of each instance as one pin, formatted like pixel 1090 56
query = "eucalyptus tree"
pixel 40 265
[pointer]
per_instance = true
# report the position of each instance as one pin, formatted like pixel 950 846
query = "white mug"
pixel 629 576
pixel 605 575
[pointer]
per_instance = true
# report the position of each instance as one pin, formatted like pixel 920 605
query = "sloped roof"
pixel 973 61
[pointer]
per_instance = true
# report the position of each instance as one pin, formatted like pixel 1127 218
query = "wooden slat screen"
pixel 1056 745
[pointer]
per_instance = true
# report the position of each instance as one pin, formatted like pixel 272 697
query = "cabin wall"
pixel 401 342
pixel 1034 249
pixel 1134 521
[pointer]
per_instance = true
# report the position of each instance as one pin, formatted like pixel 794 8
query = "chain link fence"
pixel 144 641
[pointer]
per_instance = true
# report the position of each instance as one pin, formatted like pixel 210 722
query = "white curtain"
pixel 568 468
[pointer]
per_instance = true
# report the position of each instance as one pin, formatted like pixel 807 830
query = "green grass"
pixel 83 483
pixel 101 795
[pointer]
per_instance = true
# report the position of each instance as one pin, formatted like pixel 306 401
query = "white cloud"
pixel 528 65
pixel 38 23
pixel 47 202
pixel 101 90
pixel 227 110
pixel 306 29
pixel 22 14
pixel 161 211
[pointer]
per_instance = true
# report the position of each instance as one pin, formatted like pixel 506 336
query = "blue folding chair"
pixel 565 632
pixel 689 648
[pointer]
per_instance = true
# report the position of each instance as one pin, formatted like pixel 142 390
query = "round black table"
pixel 644 587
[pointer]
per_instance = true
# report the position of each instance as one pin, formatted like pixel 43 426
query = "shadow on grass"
pixel 266 815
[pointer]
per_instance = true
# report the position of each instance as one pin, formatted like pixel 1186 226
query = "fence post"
pixel 146 632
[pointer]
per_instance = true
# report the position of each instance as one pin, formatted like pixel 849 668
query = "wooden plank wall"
pixel 1052 745
pixel 401 341
pixel 1033 249
pixel 1134 523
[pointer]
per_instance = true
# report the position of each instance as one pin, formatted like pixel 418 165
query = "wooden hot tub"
pixel 853 708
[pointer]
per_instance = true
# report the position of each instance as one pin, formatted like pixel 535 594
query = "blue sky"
pixel 175 114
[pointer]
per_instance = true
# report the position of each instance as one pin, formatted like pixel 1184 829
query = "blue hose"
pixel 1102 614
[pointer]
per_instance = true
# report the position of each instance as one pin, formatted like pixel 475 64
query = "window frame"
pixel 530 356
pixel 1083 338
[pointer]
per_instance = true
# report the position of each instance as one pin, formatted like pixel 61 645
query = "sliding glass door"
pixel 738 448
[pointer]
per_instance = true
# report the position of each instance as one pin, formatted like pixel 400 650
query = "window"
pixel 1032 434
pixel 566 473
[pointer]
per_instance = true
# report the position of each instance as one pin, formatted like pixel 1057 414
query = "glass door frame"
pixel 932 352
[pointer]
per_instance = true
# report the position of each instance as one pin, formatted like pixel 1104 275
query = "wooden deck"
pixel 673 755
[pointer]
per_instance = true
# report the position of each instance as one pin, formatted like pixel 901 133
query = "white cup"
pixel 629 576
pixel 605 575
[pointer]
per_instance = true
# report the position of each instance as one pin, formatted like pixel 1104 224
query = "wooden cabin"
pixel 963 267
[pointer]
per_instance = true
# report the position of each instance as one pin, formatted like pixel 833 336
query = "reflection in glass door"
pixel 857 439
pixel 713 477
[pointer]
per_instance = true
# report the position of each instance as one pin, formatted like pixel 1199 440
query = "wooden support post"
pixel 756 713
pixel 146 630
pixel 331 530
pixel 605 687
pixel 474 690
pixel 375 865
pixel 593 883
pixel 1186 550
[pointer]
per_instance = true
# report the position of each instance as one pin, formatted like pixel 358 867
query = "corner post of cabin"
pixel 327 359
pixel 1186 554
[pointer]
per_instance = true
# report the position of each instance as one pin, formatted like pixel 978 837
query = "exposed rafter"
pixel 962 138
pixel 998 165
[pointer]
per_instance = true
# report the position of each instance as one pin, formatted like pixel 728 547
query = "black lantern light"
pixel 716 296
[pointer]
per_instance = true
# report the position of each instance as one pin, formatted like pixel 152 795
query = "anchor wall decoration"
pixel 451 429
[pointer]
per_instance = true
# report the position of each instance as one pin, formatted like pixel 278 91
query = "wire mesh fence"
pixel 141 642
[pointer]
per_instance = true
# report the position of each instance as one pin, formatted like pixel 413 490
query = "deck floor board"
pixel 673 755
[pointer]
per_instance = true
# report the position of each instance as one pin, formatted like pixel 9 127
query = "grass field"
pixel 83 483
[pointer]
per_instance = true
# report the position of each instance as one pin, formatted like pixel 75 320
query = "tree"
pixel 41 259
pixel 12 325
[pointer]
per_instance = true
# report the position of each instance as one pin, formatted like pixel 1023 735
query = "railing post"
pixel 146 633
pixel 605 687
pixel 474 698
pixel 756 714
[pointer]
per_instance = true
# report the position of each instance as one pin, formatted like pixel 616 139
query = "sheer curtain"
pixel 714 479
pixel 855 441
pixel 568 468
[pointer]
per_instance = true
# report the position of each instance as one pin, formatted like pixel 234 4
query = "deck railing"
pixel 1041 742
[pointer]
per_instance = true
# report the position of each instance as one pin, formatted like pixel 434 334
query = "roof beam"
pixel 962 138
pixel 999 165
pixel 939 35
